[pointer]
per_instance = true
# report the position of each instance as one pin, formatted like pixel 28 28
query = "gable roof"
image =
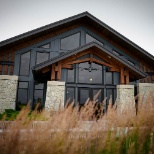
pixel 84 18
pixel 96 47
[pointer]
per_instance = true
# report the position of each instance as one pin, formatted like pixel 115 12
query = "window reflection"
pixel 70 94
pixel 84 95
pixel 24 64
pixel 38 93
pixel 91 39
pixel 41 57
pixel 90 73
pixel 70 75
pixel 70 42
pixel 109 79
pixel 23 92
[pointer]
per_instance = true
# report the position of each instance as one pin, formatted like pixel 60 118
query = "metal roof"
pixel 84 17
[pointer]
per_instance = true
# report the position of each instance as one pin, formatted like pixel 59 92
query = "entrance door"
pixel 92 94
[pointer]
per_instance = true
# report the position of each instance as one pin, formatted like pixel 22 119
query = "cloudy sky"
pixel 132 18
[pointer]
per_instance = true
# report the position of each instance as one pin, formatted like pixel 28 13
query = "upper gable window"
pixel 45 46
pixel 41 57
pixel 70 42
pixel 24 64
pixel 91 39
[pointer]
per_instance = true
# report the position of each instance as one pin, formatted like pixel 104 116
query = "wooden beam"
pixel 91 57
pixel 56 68
pixel 114 69
pixel 78 61
pixel 101 62
pixel 127 77
pixel 122 80
pixel 46 69
pixel 153 79
pixel 74 57
pixel 53 74
pixel 59 71
pixel 67 66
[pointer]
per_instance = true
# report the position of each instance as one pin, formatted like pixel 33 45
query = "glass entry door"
pixel 85 93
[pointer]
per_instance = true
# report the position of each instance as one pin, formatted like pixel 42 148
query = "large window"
pixel 109 78
pixel 70 94
pixel 70 75
pixel 23 92
pixel 41 57
pixel 90 73
pixel 38 93
pixel 91 39
pixel 70 42
pixel 24 64
pixel 91 93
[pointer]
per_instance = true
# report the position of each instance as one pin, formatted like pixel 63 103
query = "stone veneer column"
pixel 125 98
pixel 8 90
pixel 55 95
pixel 145 91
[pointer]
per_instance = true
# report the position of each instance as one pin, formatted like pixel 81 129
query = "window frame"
pixel 23 88
pixel 29 63
pixel 68 36
pixel 41 52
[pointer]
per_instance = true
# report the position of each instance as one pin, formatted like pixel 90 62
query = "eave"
pixel 82 18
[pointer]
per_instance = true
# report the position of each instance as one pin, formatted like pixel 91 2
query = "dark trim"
pixel 84 47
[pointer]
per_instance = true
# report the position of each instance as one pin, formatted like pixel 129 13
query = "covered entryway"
pixel 86 70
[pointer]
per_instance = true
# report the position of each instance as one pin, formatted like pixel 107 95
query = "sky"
pixel 132 18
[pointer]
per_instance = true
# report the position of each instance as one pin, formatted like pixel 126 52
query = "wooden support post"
pixel 91 57
pixel 53 74
pixel 153 79
pixel 59 72
pixel 122 80
pixel 127 77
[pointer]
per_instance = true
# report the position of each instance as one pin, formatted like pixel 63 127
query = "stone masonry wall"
pixel 146 91
pixel 8 90
pixel 125 98
pixel 55 95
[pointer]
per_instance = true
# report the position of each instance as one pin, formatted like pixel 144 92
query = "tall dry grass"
pixel 80 130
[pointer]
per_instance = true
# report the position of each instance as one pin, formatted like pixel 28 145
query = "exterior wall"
pixel 8 90
pixel 55 95
pixel 145 91
pixel 125 98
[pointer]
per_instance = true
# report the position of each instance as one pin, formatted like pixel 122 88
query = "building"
pixel 80 55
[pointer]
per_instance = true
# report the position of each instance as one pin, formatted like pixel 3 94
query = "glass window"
pixel 41 57
pixel 91 39
pixel 70 42
pixel 38 93
pixel 24 64
pixel 84 95
pixel 70 75
pixel 109 78
pixel 23 85
pixel 23 92
pixel 70 94
pixel 109 94
pixel 90 73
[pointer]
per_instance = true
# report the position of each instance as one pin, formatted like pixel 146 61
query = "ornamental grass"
pixel 81 130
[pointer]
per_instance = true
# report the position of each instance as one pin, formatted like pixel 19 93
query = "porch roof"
pixel 96 47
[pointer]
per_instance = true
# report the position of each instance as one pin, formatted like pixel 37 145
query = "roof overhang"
pixel 84 18
pixel 96 47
